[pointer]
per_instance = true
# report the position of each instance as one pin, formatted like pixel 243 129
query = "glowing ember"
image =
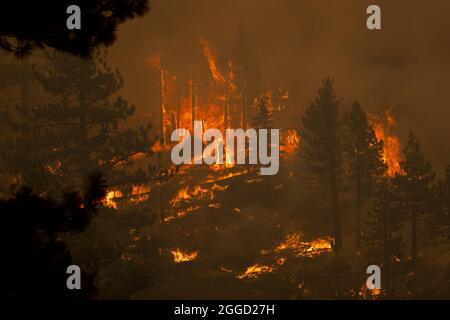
pixel 137 156
pixel 255 271
pixel 54 169
pixel 181 213
pixel 180 256
pixel 366 293
pixel 223 269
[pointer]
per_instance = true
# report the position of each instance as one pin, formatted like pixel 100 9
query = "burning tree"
pixel 321 147
pixel 364 154
pixel 77 132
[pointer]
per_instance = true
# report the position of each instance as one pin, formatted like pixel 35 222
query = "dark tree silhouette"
pixel 414 183
pixel 78 132
pixel 35 259
pixel 441 194
pixel 364 158
pixel 26 24
pixel 321 147
pixel 383 225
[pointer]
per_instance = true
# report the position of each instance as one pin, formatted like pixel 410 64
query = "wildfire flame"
pixel 197 192
pixel 391 151
pixel 211 60
pixel 139 193
pixel 254 271
pixel 305 249
pixel 291 142
pixel 110 198
pixel 180 256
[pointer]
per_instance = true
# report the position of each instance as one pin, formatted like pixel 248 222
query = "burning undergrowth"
pixel 293 246
pixel 226 221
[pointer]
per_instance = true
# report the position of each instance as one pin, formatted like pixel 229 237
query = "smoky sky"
pixel 405 65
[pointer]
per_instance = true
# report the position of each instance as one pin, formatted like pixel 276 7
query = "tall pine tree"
pixel 384 233
pixel 364 157
pixel 414 184
pixel 321 147
pixel 442 205
pixel 77 132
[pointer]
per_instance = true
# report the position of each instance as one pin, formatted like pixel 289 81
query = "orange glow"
pixel 180 256
pixel 197 192
pixel 301 248
pixel 368 294
pixel 254 271
pixel 291 142
pixel 139 193
pixel 217 104
pixel 391 152
pixel 110 198
pixel 211 60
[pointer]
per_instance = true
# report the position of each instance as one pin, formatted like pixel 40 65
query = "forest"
pixel 86 178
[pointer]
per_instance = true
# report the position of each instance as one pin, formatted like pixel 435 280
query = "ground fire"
pixel 230 158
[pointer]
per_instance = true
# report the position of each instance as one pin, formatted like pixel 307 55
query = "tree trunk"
pixel 178 103
pixel 414 236
pixel 244 98
pixel 225 111
pixel 358 202
pixel 193 101
pixel 335 207
pixel 163 106
pixel 386 262
pixel 83 165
